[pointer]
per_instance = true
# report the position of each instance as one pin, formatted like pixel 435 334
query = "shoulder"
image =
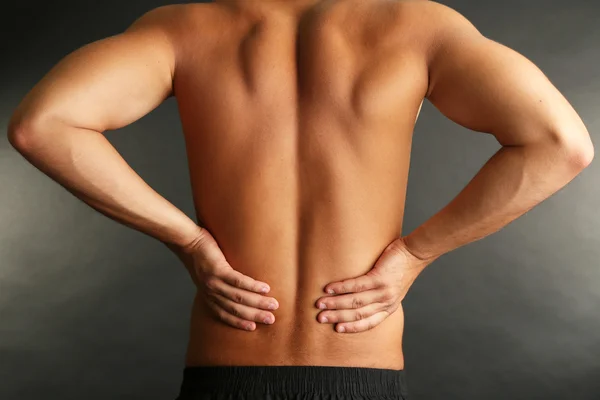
pixel 179 18
pixel 426 24
pixel 159 17
pixel 174 25
pixel 432 19
pixel 424 9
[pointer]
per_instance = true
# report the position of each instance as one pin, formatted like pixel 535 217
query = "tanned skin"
pixel 298 119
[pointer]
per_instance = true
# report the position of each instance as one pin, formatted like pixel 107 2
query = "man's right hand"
pixel 235 298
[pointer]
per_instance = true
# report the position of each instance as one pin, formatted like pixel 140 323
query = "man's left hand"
pixel 362 303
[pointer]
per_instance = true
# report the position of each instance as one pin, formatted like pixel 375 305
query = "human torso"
pixel 298 129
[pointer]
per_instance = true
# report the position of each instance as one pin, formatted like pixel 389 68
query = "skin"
pixel 298 119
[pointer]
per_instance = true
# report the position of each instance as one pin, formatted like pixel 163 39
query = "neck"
pixel 270 4
pixel 267 1
pixel 250 3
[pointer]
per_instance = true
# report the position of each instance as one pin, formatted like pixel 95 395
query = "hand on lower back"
pixel 360 304
pixel 236 299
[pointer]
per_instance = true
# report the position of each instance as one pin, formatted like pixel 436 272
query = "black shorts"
pixel 291 382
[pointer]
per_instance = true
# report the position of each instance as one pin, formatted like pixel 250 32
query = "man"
pixel 298 118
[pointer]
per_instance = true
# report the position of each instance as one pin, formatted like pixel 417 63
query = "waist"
pixel 261 382
pixel 296 338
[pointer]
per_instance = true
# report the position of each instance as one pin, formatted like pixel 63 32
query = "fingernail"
pixel 268 320
pixel 264 289
pixel 324 319
pixel 272 306
pixel 330 291
pixel 322 306
pixel 249 327
pixel 341 329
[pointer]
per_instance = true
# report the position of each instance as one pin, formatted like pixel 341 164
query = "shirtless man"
pixel 298 118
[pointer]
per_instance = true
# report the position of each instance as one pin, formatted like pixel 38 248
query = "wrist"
pixel 187 242
pixel 412 249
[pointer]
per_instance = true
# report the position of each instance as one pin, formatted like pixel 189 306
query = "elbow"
pixel 17 131
pixel 576 150
pixel 17 136
pixel 21 132
pixel 583 158
pixel 580 155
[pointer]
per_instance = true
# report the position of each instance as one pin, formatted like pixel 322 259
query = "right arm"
pixel 488 87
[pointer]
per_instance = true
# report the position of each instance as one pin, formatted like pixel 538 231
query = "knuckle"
pixel 237 281
pixel 379 281
pixel 222 314
pixel 357 302
pixel 388 294
pixel 358 315
pixel 210 299
pixel 235 311
pixel 211 283
pixel 238 298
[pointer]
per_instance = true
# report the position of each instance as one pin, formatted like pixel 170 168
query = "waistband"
pixel 261 380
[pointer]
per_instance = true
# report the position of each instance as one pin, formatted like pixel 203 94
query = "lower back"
pixel 296 338
pixel 298 241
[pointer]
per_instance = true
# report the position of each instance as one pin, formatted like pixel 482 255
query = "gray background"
pixel 91 309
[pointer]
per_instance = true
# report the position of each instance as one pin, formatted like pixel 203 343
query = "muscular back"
pixel 298 129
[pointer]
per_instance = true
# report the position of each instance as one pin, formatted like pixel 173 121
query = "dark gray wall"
pixel 91 309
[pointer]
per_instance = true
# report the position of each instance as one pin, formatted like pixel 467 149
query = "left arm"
pixel 105 85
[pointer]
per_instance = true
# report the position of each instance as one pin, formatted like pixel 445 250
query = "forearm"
pixel 514 180
pixel 86 164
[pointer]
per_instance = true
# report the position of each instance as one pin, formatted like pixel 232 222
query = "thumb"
pixel 207 252
pixel 392 256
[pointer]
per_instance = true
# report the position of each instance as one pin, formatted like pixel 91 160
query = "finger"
pixel 353 285
pixel 231 320
pixel 364 324
pixel 331 317
pixel 241 296
pixel 242 311
pixel 237 279
pixel 352 300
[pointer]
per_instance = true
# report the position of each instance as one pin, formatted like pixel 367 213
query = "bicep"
pixel 109 83
pixel 488 87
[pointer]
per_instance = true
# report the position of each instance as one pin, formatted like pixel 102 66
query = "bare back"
pixel 298 129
